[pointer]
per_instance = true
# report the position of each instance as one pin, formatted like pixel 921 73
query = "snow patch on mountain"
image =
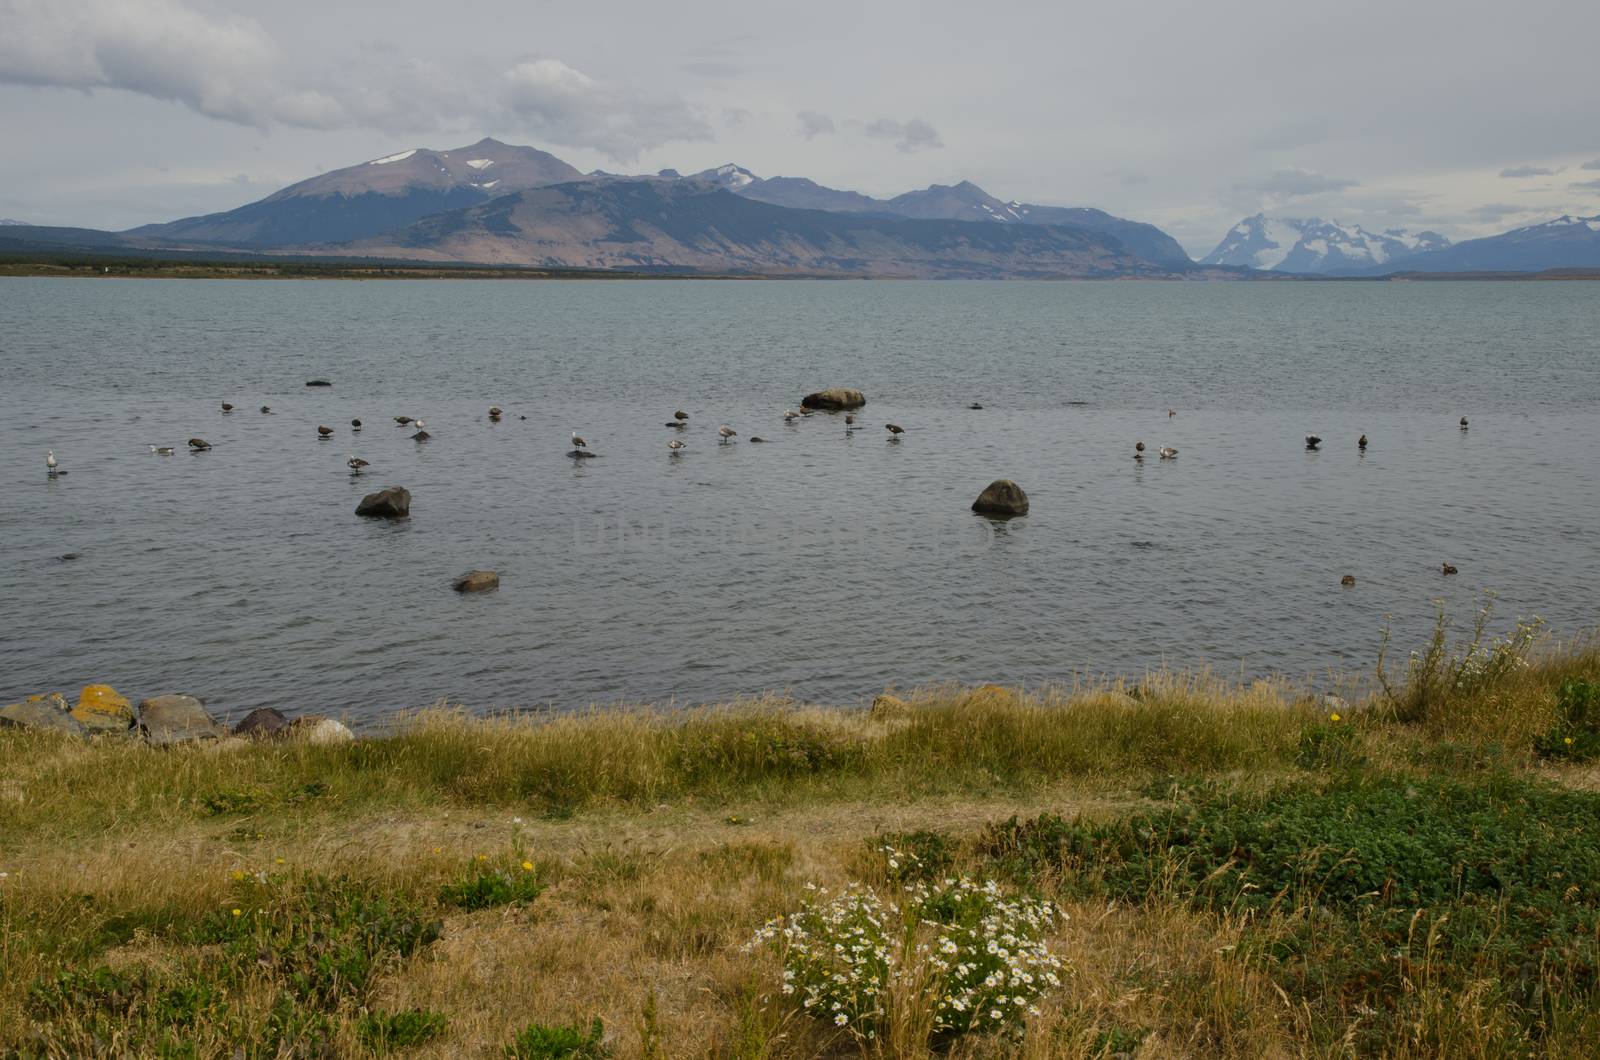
pixel 480 163
pixel 401 157
pixel 1314 245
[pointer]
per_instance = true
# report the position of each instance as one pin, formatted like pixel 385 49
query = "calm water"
pixel 827 565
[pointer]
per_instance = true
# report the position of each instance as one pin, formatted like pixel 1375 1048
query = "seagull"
pixel 675 445
pixel 894 429
pixel 1312 441
pixel 50 463
pixel 323 432
pixel 265 411
pixel 402 420
pixel 578 443
pixel 1168 453
pixel 417 424
pixel 726 432
pixel 226 407
pixel 1447 568
pixel 161 450
pixel 680 415
pixel 1361 443
pixel 355 425
pixel 199 444
pixel 356 463
pixel 1463 423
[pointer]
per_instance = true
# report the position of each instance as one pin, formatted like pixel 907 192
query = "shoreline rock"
pixel 262 723
pixel 47 711
pixel 102 709
pixel 168 720
pixel 476 581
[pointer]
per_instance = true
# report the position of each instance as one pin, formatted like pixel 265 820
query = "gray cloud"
pixel 1518 172
pixel 1498 211
pixel 1586 185
pixel 813 124
pixel 1295 183
pixel 913 135
pixel 1299 133
pixel 230 69
pixel 1591 164
pixel 736 117
pixel 713 68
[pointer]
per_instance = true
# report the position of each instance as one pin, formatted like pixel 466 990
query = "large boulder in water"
pixel 102 708
pixel 168 720
pixel 49 711
pixel 832 400
pixel 476 581
pixel 391 503
pixel 1002 498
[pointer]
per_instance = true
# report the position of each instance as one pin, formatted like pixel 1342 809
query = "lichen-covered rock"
pixel 391 503
pixel 476 581
pixel 314 729
pixel 1003 498
pixel 168 720
pixel 262 723
pixel 840 397
pixel 102 708
pixel 48 711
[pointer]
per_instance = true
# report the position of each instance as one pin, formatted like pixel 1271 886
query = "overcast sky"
pixel 1464 116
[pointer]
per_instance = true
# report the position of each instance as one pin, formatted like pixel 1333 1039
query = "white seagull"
pixel 161 450
pixel 50 462
pixel 356 463
pixel 578 443
pixel 675 445
pixel 1168 453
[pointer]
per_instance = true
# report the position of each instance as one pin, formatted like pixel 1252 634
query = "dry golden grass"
pixel 666 839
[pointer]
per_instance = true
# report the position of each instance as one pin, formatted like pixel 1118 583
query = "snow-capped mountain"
pixel 727 176
pixel 1565 242
pixel 9 221
pixel 1313 245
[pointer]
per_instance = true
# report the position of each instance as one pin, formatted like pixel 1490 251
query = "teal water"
pixel 826 564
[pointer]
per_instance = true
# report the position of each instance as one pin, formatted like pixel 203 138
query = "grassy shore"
pixel 1241 871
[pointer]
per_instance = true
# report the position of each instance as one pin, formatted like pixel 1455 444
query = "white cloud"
pixel 230 68
pixel 1516 172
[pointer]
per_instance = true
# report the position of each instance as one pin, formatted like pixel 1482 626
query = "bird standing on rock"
pixel 1361 443
pixel 356 463
pixel 355 425
pixel 494 412
pixel 1138 450
pixel 1463 423
pixel 1312 441
pixel 578 443
pixel 51 464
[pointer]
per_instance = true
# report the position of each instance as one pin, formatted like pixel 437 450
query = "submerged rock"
pixel 318 382
pixel 476 581
pixel 1002 498
pixel 391 503
pixel 262 723
pixel 48 711
pixel 168 720
pixel 834 399
pixel 102 708
pixel 318 730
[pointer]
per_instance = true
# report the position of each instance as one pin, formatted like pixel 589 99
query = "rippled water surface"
pixel 826 564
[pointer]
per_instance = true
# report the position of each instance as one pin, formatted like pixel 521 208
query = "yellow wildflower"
pixel 238 912
pixel 527 866
pixel 1333 717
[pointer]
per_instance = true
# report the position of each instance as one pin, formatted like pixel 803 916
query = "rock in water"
pixel 318 382
pixel 1003 498
pixel 832 400
pixel 261 724
pixel 49 711
pixel 102 709
pixel 314 729
pixel 168 720
pixel 476 581
pixel 391 503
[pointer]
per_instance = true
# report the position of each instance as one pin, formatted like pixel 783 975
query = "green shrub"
pixel 1329 745
pixel 919 855
pixel 1576 734
pixel 382 1031
pixel 484 887
pixel 537 1041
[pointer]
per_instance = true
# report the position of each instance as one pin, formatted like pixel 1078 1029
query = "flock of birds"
pixel 680 420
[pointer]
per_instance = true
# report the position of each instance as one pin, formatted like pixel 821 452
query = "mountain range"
pixel 497 203
pixel 1317 247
